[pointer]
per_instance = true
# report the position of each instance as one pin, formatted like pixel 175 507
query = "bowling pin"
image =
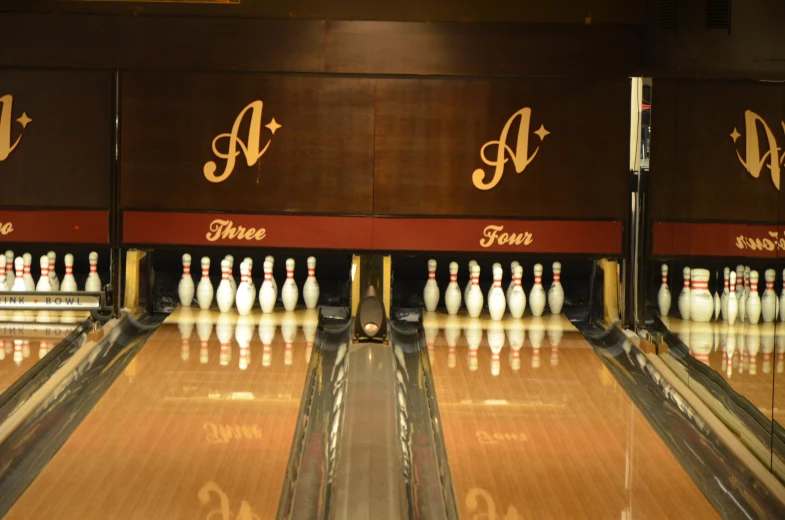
pixel 269 258
pixel 684 296
pixel 469 284
pixel 93 283
pixel 69 282
pixel 753 300
pixel 537 294
pixel 739 280
pixel 767 305
pixel 452 296
pixel 311 286
pixel 431 292
pixel 724 297
pixel 225 294
pixel 497 303
pixel 290 293
pixel 267 293
pixel 9 268
pixel 512 279
pixel 19 281
pixel 474 299
pixel 204 291
pixel 664 295
pixel 43 284
pixel 28 261
pixel 186 287
pixel 53 280
pixel 717 304
pixel 244 298
pixel 248 260
pixel 3 280
pixel 493 267
pixel 232 281
pixel 517 301
pixel 701 300
pixel 556 292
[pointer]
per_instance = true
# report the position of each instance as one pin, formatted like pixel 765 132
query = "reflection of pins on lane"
pixel 452 296
pixel 18 356
pixel 780 347
pixel 19 281
pixel 474 300
pixel 472 263
pixel 310 323
pixel 517 299
pixel 267 294
pixel 452 332
pixel 516 336
pixel 752 348
pixel 496 301
pixel 43 349
pixel 43 284
pixel 536 335
pixel 767 304
pixel 186 327
pixel 555 333
pixel 767 345
pixel 473 339
pixel 289 293
pixel 243 333
pixel 54 282
pixel 204 329
pixel 733 302
pixel 753 299
pixel 185 289
pixel 431 290
pixel 69 282
pixel 224 332
pixel 225 294
pixel 684 296
pixel 266 334
pixel 537 294
pixel 701 341
pixel 664 294
pixel 204 291
pixel 431 327
pixel 93 283
pixel 311 286
pixel 2 342
pixel 289 333
pixel 28 278
pixel 556 292
pixel 496 343
pixel 244 299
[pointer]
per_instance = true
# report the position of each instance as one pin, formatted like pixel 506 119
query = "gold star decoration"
pixel 273 126
pixel 542 132
pixel 735 134
pixel 24 120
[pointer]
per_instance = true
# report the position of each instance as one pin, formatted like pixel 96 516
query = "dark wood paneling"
pixel 429 134
pixel 482 49
pixel 696 174
pixel 260 45
pixel 63 158
pixel 319 161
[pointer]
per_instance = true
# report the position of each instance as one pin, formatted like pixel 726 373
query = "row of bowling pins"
pixel 243 332
pixel 739 298
pixel 498 301
pixel 244 295
pixel 15 274
pixel 19 349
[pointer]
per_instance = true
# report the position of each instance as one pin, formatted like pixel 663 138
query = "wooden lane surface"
pixel 752 364
pixel 559 441
pixel 184 432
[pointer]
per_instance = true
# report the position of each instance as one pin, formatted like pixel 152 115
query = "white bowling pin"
pixel 93 283
pixel 717 304
pixel 43 284
pixel 269 258
pixel 9 268
pixel 267 293
pixel 556 292
pixel 753 300
pixel 474 300
pixel 186 287
pixel 684 296
pixel 431 292
pixel 767 305
pixel 248 260
pixel 452 296
pixel 69 282
pixel 469 284
pixel 3 280
pixel 733 302
pixel 664 295
pixel 54 282
pixel 28 261
pixel 244 298
pixel 232 281
pixel 512 279
pixel 517 301
pixel 497 303
pixel 311 286
pixel 204 291
pixel 739 281
pixel 701 300
pixel 224 296
pixel 19 281
pixel 537 294
pixel 289 292
pixel 494 266
pixel 724 297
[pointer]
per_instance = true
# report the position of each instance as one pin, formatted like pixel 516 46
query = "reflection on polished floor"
pixel 199 425
pixel 552 435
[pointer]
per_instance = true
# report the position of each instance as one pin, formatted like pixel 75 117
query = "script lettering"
pixel 6 228
pixel 6 115
pixel 754 160
pixel 495 233
pixel 223 433
pixel 226 230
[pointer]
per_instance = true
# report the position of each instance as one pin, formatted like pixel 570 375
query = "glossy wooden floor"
pixel 199 426
pixel 552 435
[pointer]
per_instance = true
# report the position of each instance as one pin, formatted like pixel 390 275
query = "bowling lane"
pixel 199 425
pixel 552 435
